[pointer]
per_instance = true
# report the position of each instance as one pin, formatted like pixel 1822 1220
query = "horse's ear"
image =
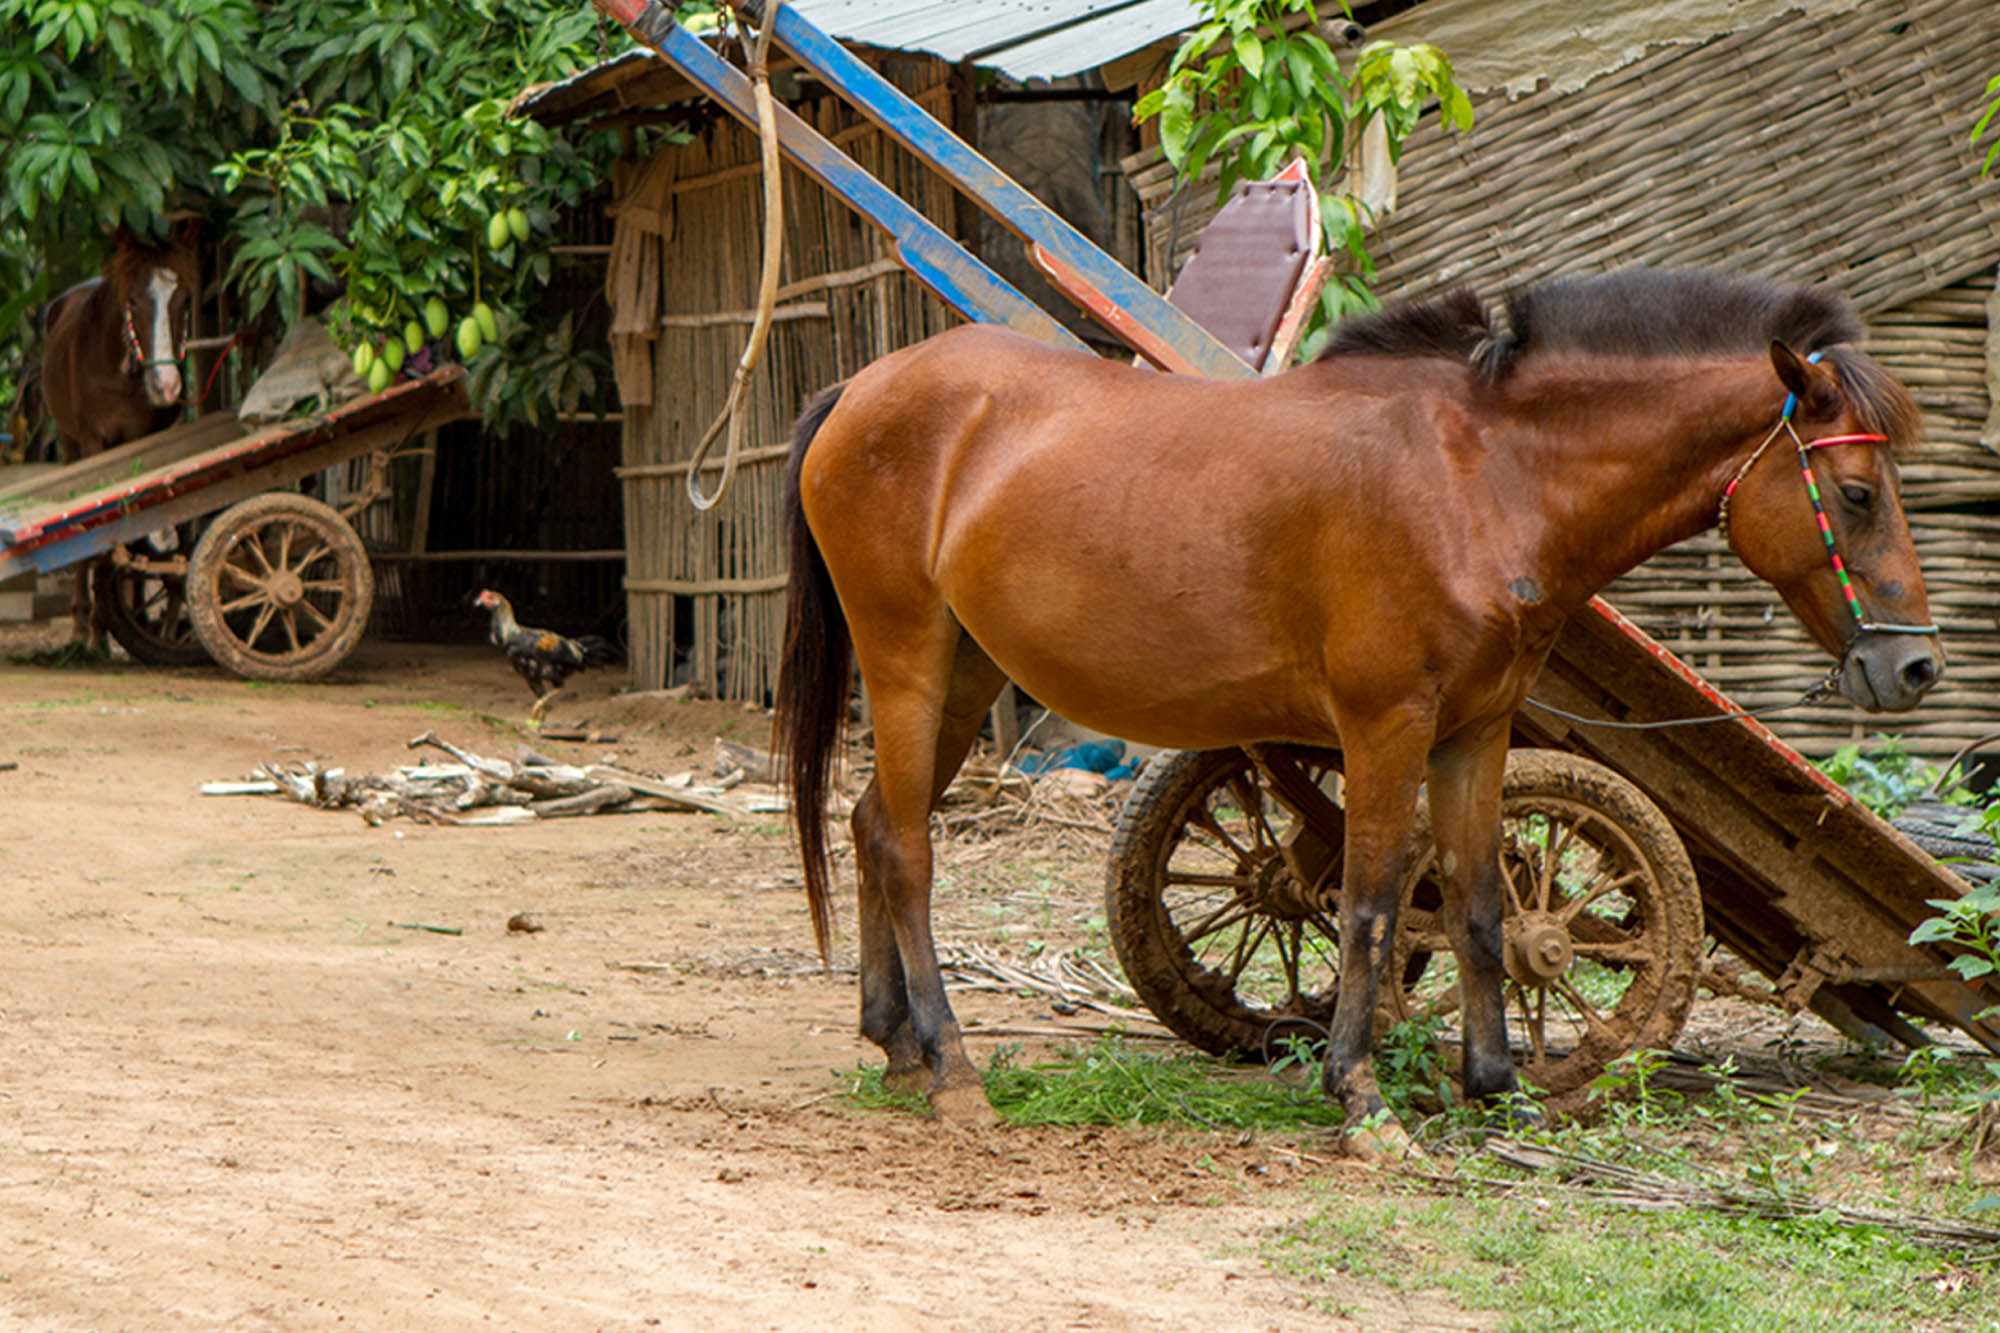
pixel 1816 389
pixel 186 235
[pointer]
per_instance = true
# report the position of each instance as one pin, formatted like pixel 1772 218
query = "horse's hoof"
pixel 964 1107
pixel 1385 1143
pixel 913 1079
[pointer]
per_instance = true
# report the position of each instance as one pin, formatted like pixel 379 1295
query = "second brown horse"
pixel 1373 552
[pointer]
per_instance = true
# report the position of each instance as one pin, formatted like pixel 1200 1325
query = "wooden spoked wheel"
pixel 280 588
pixel 1220 895
pixel 144 600
pixel 1222 899
pixel 1603 925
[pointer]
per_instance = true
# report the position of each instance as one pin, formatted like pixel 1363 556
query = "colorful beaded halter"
pixel 1819 509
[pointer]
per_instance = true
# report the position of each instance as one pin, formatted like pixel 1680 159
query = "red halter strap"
pixel 1866 625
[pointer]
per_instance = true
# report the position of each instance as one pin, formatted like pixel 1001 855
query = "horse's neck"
pixel 104 316
pixel 1642 462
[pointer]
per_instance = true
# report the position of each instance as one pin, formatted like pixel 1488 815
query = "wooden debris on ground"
pixel 479 790
pixel 1622 1186
pixel 1070 981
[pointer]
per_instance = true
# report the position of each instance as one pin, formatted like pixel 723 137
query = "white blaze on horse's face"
pixel 163 374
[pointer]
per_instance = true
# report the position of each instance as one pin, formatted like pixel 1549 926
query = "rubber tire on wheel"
pixel 1647 921
pixel 1160 928
pixel 280 588
pixel 153 625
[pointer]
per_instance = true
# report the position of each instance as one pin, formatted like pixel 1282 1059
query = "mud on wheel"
pixel 1220 899
pixel 279 588
pixel 1214 897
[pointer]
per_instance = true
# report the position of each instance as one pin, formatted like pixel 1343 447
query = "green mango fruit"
pixel 364 357
pixel 517 222
pixel 379 376
pixel 497 234
pixel 392 355
pixel 469 337
pixel 489 327
pixel 436 318
pixel 413 337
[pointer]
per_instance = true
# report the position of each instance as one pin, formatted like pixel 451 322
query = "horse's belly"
pixel 1141 672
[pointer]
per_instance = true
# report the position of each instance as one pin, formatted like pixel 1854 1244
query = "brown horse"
pixel 112 356
pixel 1373 552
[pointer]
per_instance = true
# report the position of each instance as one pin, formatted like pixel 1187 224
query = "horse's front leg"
pixel 1466 778
pixel 1383 773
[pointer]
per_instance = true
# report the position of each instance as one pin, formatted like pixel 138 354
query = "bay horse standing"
pixel 1373 552
pixel 112 358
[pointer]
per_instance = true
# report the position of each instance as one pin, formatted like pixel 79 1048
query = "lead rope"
pixel 767 295
pixel 1813 695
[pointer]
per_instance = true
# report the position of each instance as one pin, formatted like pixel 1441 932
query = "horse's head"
pixel 155 287
pixel 1816 511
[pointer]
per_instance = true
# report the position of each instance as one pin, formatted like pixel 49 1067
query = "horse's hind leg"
pixel 1465 788
pixel 920 741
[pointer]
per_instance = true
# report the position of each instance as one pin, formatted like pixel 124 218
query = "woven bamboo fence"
pixel 704 590
pixel 1808 149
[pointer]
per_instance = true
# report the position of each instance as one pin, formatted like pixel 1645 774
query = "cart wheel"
pixel 279 588
pixel 144 592
pixel 1213 898
pixel 1603 927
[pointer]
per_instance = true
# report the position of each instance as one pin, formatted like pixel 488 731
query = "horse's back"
pixel 1158 556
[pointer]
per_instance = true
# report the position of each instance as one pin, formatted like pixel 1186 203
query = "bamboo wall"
pixel 704 590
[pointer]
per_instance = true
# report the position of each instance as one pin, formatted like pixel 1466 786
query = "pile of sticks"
pixel 477 790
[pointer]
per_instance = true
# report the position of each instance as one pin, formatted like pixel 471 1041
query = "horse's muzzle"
pixel 1888 673
pixel 163 385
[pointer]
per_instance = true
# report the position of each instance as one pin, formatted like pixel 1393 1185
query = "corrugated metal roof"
pixel 1028 39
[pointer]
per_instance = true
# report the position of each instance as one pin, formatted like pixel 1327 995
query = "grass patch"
pixel 1113 1082
pixel 1556 1263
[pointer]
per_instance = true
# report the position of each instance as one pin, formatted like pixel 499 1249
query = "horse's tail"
pixel 813 679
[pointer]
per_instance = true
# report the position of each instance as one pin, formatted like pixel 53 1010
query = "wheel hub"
pixel 285 588
pixel 1539 949
pixel 1277 892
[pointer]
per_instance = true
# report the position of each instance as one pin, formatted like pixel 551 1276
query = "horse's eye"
pixel 1858 496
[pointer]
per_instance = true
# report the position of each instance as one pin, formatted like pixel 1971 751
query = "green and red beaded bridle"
pixel 1784 425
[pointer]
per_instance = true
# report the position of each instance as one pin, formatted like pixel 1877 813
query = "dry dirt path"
pixel 239 1091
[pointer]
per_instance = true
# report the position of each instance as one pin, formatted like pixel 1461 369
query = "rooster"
pixel 544 658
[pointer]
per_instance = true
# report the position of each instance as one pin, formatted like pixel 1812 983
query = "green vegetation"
pixel 1728 1209
pixel 1987 121
pixel 1887 778
pixel 1551 1261
pixel 1250 90
pixel 365 143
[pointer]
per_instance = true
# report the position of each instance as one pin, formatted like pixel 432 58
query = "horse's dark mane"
pixel 130 261
pixel 1636 313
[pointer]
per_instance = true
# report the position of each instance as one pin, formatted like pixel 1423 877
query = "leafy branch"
pixel 1251 89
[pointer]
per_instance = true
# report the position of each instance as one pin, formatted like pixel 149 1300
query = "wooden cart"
pixel 275 585
pixel 1625 851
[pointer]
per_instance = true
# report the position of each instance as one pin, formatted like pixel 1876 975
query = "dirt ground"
pixel 242 1087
